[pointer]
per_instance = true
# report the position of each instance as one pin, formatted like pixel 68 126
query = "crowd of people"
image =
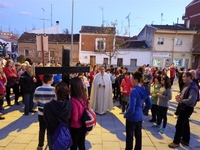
pixel 148 88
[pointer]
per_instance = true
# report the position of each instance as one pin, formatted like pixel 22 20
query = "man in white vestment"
pixel 101 93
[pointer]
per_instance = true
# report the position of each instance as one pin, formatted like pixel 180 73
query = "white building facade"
pixel 170 44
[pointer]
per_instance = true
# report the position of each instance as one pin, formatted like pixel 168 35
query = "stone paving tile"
pixel 21 132
pixel 5 140
pixel 96 139
pixel 111 145
pixel 15 146
pixel 23 138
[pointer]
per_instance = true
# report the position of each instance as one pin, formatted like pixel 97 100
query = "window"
pixel 100 44
pixel 133 62
pixel 177 62
pixel 119 62
pixel 178 41
pixel 105 61
pixel 52 54
pixel 160 41
pixel 26 52
pixel 157 62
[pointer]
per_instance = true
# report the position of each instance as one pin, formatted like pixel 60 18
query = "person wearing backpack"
pixel 187 100
pixel 79 103
pixel 57 111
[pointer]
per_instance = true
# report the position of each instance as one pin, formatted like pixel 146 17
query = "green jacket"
pixel 154 90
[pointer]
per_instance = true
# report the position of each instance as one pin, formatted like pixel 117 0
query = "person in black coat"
pixel 57 110
pixel 27 82
pixel 180 78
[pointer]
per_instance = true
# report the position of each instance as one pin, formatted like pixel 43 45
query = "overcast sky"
pixel 22 15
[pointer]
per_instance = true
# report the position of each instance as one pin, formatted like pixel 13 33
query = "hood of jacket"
pixel 142 91
pixel 61 109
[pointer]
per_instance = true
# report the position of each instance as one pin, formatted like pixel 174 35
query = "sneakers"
pixel 1 116
pixel 163 130
pixel 39 148
pixel 173 145
pixel 152 120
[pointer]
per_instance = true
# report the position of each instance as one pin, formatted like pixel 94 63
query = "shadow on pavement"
pixel 18 125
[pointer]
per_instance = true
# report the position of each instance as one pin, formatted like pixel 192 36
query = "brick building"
pixel 192 19
pixel 96 44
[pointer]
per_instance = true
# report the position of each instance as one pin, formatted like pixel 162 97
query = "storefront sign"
pixel 162 54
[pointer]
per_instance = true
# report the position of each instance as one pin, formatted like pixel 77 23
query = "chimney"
pixel 57 22
pixel 188 23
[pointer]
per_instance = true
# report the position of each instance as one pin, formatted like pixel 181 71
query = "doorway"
pixel 92 60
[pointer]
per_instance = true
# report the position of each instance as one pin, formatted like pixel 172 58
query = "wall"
pixel 142 56
pixel 87 41
pixel 57 47
pixel 170 44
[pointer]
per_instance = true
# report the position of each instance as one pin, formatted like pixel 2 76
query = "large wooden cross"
pixel 65 70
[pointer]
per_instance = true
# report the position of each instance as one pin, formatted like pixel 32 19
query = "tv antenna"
pixel 162 18
pixel 128 17
pixel 102 16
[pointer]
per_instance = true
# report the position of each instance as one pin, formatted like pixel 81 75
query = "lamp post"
pixel 72 42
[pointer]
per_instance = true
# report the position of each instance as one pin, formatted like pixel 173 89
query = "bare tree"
pixel 66 31
pixel 108 43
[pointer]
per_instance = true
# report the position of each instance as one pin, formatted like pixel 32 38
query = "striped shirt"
pixel 43 94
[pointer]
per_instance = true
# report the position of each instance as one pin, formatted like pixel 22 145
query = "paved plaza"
pixel 19 132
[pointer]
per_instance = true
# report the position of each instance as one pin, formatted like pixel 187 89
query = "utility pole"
pixel 72 42
pixel 128 17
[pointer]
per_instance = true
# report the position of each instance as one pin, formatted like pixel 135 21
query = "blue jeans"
pixel 133 129
pixel 28 102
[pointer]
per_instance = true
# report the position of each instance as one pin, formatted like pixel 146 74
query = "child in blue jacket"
pixel 134 112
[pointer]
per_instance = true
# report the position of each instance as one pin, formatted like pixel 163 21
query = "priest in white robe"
pixel 101 93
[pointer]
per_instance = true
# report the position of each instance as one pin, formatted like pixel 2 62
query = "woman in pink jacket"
pixel 79 102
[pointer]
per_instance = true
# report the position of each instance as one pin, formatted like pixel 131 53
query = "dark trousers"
pixel 182 126
pixel 154 112
pixel 1 102
pixel 172 81
pixel 78 138
pixel 15 91
pixel 125 99
pixel 42 128
pixel 177 112
pixel 28 102
pixel 133 129
pixel 162 115
pixel 50 141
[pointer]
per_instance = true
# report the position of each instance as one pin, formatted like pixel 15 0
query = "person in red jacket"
pixel 125 88
pixel 12 77
pixel 2 91
pixel 172 73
